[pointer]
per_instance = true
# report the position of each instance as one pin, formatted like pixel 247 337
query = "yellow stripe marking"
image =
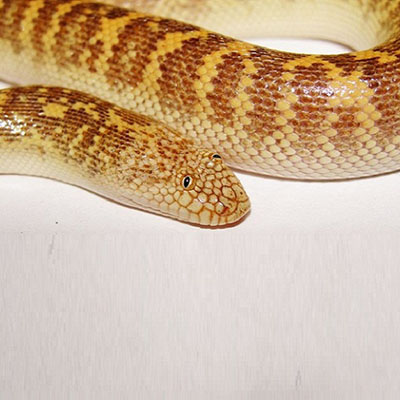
pixel 30 14
pixel 49 39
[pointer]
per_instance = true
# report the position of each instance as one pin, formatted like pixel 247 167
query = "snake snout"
pixel 221 193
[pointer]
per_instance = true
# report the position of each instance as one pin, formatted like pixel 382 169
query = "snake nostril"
pixel 226 206
pixel 221 209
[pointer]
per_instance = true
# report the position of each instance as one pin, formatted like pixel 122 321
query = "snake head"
pixel 166 173
pixel 205 191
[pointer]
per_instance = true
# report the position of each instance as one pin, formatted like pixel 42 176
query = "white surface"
pixel 299 301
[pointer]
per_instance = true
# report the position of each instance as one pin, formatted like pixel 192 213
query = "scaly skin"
pixel 275 113
pixel 76 138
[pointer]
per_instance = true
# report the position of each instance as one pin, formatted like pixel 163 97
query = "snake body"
pixel 276 113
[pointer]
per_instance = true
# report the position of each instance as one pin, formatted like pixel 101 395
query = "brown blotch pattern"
pixel 11 22
pixel 284 114
pixel 137 40
pixel 179 70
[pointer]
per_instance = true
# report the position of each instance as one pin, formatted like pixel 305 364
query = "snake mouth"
pixel 226 211
pixel 227 214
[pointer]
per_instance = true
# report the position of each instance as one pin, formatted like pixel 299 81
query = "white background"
pixel 299 301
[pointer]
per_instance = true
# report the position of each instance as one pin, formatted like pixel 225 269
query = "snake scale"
pixel 299 116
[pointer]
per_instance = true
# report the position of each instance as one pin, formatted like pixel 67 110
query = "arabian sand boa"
pixel 281 114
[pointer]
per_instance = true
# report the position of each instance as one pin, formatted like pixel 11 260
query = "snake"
pixel 130 101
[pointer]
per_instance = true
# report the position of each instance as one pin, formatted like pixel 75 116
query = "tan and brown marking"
pixel 272 112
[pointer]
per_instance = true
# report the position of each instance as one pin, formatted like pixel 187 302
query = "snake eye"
pixel 187 181
pixel 216 156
